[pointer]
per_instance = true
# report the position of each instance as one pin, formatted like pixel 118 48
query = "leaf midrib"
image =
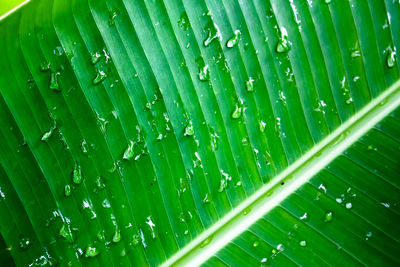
pixel 297 174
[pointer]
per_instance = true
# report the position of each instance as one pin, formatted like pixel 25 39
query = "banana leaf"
pixel 215 132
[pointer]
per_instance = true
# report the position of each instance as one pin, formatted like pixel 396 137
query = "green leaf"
pixel 187 132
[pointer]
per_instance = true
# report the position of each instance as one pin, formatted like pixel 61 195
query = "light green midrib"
pixel 13 10
pixel 294 177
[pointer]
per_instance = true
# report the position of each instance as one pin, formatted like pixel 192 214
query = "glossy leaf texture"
pixel 130 128
pixel 346 215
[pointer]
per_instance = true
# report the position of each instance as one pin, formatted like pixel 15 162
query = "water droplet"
pixel 328 216
pixel 263 262
pixel 214 139
pixel 112 14
pixel 250 85
pixel 238 110
pixel 256 243
pixel 100 184
pixel 151 226
pixel 106 203
pixel 54 85
pixel 224 182
pixel 24 243
pixel 328 1
pixel 206 199
pixel 58 51
pixel 101 236
pixel 100 76
pixel 117 236
pixel 2 195
pixel 66 233
pixel 283 45
pixel 233 41
pixel 91 252
pixel 345 91
pixel 95 57
pixel 296 14
pixel 213 33
pixel 303 243
pixel 322 188
pixel 67 190
pixel 368 235
pixel 391 58
pixel 349 205
pixel 304 217
pixel 135 240
pixel 339 200
pixel 261 126
pixel 184 22
pixel 356 53
pixel 45 66
pixel 204 74
pixel 189 130
pixel 320 106
pixel 46 136
pixel 282 97
pixel 129 153
pixel 206 242
pixel 87 205
pixel 77 174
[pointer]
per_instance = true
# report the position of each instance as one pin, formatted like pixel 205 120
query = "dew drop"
pixel 237 111
pixel 24 243
pixel 206 199
pixel 100 76
pixel 58 51
pixel 283 45
pixel 204 74
pixel 100 184
pixel 112 15
pixel 106 203
pixel 77 174
pixel 151 226
pixel 117 236
pixel 129 153
pixel 250 85
pixel 205 242
pixel 91 252
pixel 349 205
pixel 213 34
pixel 184 22
pixel 304 217
pixel 46 136
pixel 214 139
pixel 320 106
pixel 135 240
pixel 391 58
pixel 67 190
pixel 54 85
pixel 66 233
pixel 189 130
pixel 261 126
pixel 328 216
pixel 95 57
pixel 303 243
pixel 256 243
pixel 45 66
pixel 234 40
pixel 282 97
pixel 368 235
